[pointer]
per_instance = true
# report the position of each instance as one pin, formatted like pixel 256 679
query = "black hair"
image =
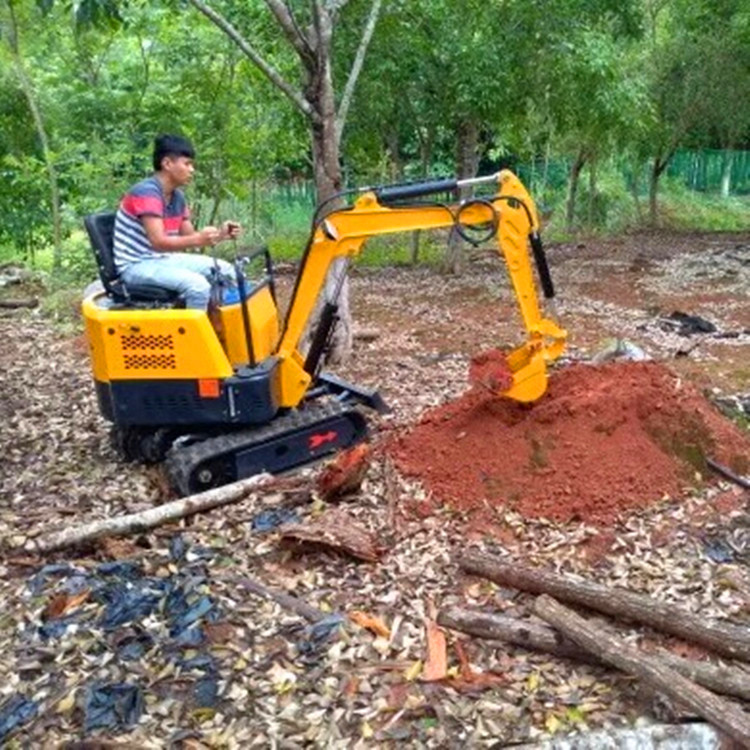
pixel 171 145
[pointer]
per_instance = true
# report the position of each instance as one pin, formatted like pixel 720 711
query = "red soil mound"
pixel 602 440
pixel 490 370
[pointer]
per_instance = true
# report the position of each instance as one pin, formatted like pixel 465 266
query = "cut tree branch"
pixel 134 523
pixel 292 31
pixel 268 70
pixel 359 60
pixel 538 637
pixel 723 714
pixel 722 637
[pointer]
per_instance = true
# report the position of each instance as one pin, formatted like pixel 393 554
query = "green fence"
pixel 712 171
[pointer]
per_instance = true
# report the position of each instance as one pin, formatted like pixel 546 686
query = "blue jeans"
pixel 187 274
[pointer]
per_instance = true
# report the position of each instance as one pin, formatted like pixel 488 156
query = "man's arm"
pixel 187 238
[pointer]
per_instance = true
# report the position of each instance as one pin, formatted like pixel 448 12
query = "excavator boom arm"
pixel 512 215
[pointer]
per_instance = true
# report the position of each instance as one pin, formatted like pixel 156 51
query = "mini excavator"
pixel 225 398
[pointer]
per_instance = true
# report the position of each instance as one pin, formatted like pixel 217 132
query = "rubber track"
pixel 181 462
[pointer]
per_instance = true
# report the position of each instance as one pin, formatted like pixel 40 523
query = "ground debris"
pixel 358 686
pixel 337 530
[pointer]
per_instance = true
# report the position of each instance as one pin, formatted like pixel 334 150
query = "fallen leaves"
pixel 62 604
pixel 371 622
pixel 436 664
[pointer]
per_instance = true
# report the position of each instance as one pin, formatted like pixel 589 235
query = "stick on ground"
pixel 135 523
pixel 722 713
pixel 539 637
pixel 722 637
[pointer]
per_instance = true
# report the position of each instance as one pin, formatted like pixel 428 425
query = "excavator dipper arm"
pixel 512 218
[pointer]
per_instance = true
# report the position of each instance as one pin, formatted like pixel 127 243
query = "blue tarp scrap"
pixel 112 706
pixel 39 579
pixel 133 646
pixel 15 712
pixel 130 601
pixel 206 692
pixel 58 627
pixel 177 548
pixel 267 520
pixel 316 635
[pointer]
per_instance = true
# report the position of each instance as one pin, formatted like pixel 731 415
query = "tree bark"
pixel 317 103
pixel 723 638
pixel 134 523
pixel 467 161
pixel 36 114
pixel 538 637
pixel 327 172
pixel 657 169
pixel 726 173
pixel 725 715
pixel 575 173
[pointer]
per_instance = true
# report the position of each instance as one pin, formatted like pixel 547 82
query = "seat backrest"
pixel 101 230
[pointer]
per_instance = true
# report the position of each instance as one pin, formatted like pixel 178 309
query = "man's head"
pixel 173 155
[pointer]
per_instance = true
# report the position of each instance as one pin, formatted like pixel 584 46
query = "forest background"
pixel 616 113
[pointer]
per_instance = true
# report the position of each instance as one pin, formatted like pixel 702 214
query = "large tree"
pixel 309 32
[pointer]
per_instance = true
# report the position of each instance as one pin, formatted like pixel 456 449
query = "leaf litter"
pixel 242 671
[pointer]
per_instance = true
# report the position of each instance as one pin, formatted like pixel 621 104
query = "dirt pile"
pixel 602 440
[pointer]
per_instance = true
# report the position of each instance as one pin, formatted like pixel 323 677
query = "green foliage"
pixel 622 83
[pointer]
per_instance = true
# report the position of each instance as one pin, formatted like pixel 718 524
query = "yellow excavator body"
pixel 230 393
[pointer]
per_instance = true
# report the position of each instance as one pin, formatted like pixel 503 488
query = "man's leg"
pixel 169 272
pixel 205 265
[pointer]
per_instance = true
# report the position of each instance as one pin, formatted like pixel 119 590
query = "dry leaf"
pixel 436 664
pixel 372 623
pixel 61 604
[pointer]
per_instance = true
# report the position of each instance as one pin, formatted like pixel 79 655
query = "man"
pixel 153 230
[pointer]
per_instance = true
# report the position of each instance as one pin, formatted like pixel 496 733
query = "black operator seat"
pixel 101 231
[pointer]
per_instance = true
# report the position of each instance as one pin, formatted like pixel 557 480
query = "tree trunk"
pixel 575 173
pixel 467 161
pixel 36 114
pixel 327 173
pixel 592 190
pixel 722 637
pixel 633 184
pixel 533 635
pixel 657 169
pixel 723 714
pixel 726 173
pixel 414 257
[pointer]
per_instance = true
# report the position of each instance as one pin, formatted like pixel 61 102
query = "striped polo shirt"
pixel 131 242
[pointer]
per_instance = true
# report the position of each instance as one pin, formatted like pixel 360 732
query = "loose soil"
pixel 603 440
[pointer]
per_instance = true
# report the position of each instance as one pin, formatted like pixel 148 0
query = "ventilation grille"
pixel 150 343
pixel 148 352
pixel 150 361
pixel 172 402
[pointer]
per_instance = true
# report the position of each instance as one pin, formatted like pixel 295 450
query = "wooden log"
pixel 292 603
pixel 15 304
pixel 134 523
pixel 727 473
pixel 723 714
pixel 722 637
pixel 539 637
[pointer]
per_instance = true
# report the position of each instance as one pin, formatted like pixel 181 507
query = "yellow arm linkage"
pixel 344 231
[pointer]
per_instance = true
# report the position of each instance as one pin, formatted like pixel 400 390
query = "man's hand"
pixel 209 236
pixel 230 230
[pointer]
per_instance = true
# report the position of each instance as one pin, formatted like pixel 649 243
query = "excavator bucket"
pixel 529 368
pixel 522 373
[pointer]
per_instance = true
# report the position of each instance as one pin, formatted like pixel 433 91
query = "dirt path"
pixel 264 688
